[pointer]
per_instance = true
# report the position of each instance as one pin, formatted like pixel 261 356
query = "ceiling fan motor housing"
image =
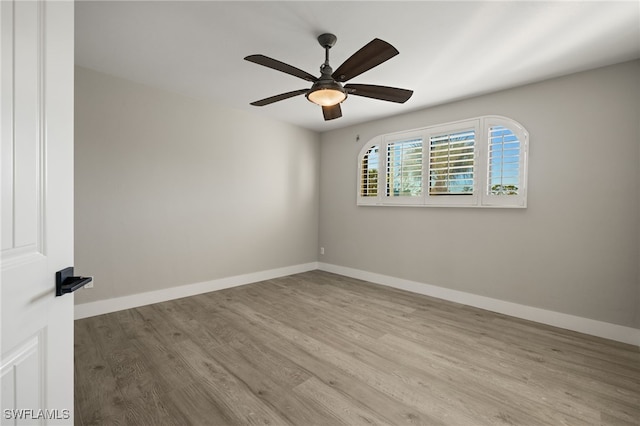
pixel 327 40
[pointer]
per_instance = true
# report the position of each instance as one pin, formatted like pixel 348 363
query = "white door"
pixel 36 126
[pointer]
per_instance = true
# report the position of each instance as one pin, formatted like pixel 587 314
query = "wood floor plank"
pixel 234 397
pixel 396 384
pixel 321 349
pixel 158 349
pixel 422 367
pixel 341 336
pixel 97 398
pixel 196 406
pixel 349 412
pixel 393 409
pixel 291 405
pixel 375 399
pixel 253 352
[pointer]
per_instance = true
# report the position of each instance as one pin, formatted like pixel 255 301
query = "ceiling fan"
pixel 327 90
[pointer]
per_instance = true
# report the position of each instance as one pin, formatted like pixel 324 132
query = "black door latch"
pixel 67 283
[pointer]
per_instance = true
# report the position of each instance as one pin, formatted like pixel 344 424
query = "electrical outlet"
pixel 321 250
pixel 89 284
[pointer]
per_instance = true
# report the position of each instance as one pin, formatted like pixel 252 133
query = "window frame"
pixel 383 177
pixel 520 200
pixel 364 184
pixel 450 199
pixel 481 196
pixel 369 200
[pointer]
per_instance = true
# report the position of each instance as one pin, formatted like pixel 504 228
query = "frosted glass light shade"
pixel 326 97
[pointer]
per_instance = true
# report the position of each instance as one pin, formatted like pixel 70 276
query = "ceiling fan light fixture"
pixel 326 97
pixel 326 93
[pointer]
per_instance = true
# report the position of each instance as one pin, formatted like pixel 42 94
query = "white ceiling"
pixel 448 50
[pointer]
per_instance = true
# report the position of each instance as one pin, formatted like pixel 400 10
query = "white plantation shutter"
pixel 451 163
pixel 369 172
pixel 404 168
pixel 506 169
pixel 480 162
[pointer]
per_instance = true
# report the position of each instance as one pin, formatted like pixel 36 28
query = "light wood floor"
pixel 322 349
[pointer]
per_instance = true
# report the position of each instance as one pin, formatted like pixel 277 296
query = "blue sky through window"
pixel 504 161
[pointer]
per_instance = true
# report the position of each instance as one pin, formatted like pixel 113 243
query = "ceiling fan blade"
pixel 279 97
pixel 371 55
pixel 280 66
pixel 391 94
pixel 331 112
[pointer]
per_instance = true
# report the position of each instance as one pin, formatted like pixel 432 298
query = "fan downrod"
pixel 327 40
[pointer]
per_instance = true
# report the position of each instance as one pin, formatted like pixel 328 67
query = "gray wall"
pixel 170 190
pixel 575 249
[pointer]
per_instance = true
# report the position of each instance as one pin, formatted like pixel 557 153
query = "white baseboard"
pixel 90 309
pixel 570 322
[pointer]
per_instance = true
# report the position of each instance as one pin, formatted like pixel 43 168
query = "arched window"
pixel 480 162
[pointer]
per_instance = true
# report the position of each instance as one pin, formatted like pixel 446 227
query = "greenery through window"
pixel 404 168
